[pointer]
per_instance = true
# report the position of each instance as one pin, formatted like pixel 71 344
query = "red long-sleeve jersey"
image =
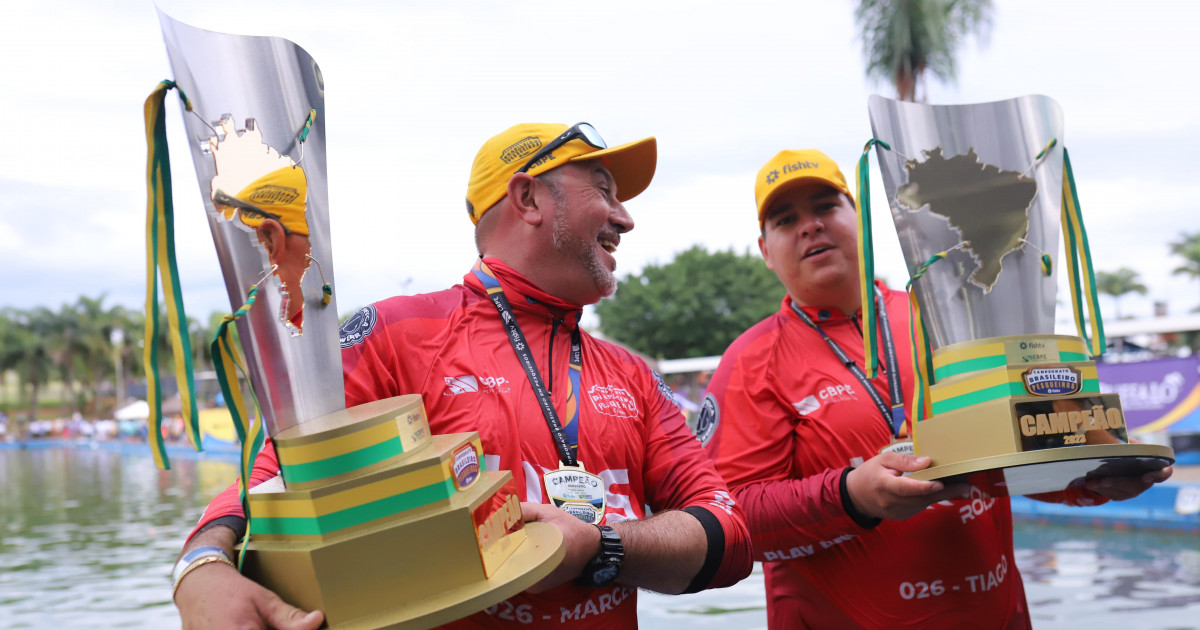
pixel 451 347
pixel 784 419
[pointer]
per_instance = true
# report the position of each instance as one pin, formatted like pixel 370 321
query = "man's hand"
pixel 582 542
pixel 216 596
pixel 878 488
pixel 1122 488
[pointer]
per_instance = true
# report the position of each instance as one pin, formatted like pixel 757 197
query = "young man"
pixel 846 540
pixel 547 204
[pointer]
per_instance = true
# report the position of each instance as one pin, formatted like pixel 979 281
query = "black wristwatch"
pixel 606 566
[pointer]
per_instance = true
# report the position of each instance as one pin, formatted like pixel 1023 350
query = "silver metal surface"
pixel 1006 135
pixel 275 83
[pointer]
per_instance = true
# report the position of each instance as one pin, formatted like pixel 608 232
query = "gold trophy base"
pixel 382 525
pixel 1025 415
pixel 406 574
pixel 1051 470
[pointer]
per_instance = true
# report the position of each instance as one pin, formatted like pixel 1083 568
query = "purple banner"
pixel 1158 395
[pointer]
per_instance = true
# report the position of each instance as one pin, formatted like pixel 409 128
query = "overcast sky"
pixel 413 89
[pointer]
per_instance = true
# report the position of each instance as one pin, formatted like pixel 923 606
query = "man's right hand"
pixel 217 596
pixel 879 489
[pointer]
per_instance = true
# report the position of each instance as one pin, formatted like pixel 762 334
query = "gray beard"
pixel 580 250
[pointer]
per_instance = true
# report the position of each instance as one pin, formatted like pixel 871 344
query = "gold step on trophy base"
pixel 381 525
pixel 1024 415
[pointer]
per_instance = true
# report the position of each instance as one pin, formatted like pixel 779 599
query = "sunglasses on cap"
pixel 223 199
pixel 582 131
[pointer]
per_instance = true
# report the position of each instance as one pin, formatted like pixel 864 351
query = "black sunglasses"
pixel 582 131
pixel 221 198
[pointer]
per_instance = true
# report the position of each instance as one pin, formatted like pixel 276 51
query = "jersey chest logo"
pixel 613 401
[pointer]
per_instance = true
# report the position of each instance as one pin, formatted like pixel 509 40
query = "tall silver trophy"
pixel 373 520
pixel 978 194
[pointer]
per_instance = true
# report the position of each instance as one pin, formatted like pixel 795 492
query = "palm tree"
pixel 24 349
pixel 1187 248
pixel 902 39
pixel 1118 283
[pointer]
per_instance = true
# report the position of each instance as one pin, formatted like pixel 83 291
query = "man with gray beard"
pixel 503 354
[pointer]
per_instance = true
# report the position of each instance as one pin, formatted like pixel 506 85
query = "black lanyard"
pixel 893 415
pixel 566 440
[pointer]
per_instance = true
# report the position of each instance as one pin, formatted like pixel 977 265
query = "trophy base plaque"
pixel 1024 415
pixel 381 525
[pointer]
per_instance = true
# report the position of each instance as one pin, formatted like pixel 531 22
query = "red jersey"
pixel 784 419
pixel 451 347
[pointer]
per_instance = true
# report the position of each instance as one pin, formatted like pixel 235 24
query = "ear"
pixel 522 189
pixel 271 235
pixel 762 249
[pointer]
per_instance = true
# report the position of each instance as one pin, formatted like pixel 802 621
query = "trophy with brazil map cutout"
pixel 978 194
pixel 373 519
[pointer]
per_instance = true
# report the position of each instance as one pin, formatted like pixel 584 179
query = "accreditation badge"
pixel 576 492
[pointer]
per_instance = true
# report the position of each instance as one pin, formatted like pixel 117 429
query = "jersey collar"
pixel 523 294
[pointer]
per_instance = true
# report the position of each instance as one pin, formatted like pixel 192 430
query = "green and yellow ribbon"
pixel 866 258
pixel 922 354
pixel 160 261
pixel 228 364
pixel 1079 265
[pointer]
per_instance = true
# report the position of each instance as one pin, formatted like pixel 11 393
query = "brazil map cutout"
pixel 987 206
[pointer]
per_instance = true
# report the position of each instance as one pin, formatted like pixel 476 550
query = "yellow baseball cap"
pixel 503 155
pixel 279 195
pixel 789 168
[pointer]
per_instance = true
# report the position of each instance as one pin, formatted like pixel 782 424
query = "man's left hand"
pixel 582 542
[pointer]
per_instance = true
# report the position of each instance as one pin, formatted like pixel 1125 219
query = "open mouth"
pixel 607 244
pixel 819 249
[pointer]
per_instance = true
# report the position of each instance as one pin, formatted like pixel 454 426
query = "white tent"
pixel 136 410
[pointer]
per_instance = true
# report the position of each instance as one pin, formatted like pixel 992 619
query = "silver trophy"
pixel 373 520
pixel 978 194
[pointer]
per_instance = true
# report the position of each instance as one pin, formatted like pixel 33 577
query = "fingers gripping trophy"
pixel 373 520
pixel 978 194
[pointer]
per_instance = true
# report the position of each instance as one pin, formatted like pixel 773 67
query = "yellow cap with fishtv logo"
pixel 790 168
pixel 631 164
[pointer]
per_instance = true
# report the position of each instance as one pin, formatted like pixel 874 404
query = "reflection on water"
pixel 87 539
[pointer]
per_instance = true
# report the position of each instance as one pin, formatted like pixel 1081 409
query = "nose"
pixel 811 224
pixel 620 218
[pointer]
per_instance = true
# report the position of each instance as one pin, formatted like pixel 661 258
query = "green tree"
pixel 904 39
pixel 24 349
pixel 694 306
pixel 1118 283
pixel 1187 248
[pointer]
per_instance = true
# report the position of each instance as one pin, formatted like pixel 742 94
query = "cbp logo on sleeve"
pixel 707 420
pixel 356 327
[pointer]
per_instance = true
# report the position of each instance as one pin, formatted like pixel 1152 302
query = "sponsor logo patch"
pixel 1055 381
pixel 468 383
pixel 466 466
pixel 664 389
pixel 521 148
pixel 707 420
pixel 356 327
pixel 461 385
pixel 807 405
pixel 613 401
pixel 273 195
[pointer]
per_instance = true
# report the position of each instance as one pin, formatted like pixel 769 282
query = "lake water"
pixel 87 538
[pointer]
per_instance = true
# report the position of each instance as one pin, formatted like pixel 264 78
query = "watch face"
pixel 606 574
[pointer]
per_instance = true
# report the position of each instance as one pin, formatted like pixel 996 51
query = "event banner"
pixel 1158 395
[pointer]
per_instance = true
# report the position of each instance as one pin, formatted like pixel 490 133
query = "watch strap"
pixel 602 569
